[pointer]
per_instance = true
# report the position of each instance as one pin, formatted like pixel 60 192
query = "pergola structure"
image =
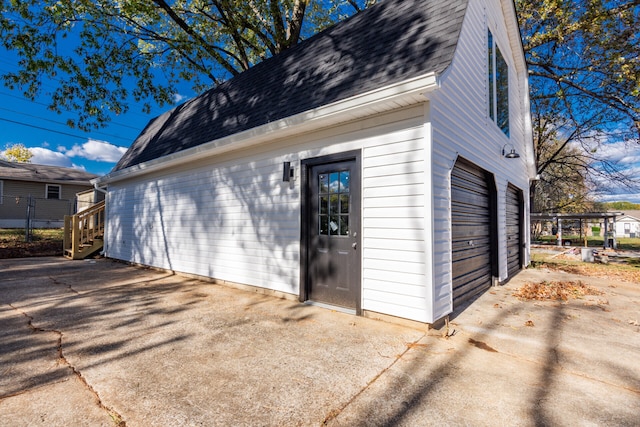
pixel 608 218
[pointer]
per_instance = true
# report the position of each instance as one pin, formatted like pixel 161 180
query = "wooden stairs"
pixel 84 232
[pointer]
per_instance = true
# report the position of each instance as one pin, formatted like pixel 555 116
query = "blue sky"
pixel 52 142
pixel 625 154
pixel 47 135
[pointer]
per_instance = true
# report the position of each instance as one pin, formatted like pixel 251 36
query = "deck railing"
pixel 84 232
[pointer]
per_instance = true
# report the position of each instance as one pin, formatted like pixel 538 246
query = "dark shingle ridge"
pixel 388 43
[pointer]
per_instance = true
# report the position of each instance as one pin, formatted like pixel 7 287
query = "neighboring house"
pixel 628 225
pixel 373 167
pixel 46 193
pixel 88 198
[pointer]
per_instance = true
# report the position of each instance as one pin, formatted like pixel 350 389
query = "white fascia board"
pixel 304 122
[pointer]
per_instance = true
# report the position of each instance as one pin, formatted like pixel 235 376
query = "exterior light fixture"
pixel 287 172
pixel 511 154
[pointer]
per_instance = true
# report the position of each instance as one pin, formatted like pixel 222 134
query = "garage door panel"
pixel 514 208
pixel 471 231
pixel 472 269
pixel 472 228
pixel 467 286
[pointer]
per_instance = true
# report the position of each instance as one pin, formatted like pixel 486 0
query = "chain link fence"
pixel 31 212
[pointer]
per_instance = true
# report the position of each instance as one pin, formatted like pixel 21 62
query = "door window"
pixel 333 203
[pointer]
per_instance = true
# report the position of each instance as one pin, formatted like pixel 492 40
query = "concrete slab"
pixel 102 343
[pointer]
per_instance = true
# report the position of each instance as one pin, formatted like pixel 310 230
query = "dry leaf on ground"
pixel 545 291
pixel 594 270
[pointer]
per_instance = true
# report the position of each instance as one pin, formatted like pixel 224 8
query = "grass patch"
pixel 626 269
pixel 13 234
pixel 625 243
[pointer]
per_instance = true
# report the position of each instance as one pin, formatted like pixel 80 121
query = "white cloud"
pixel 44 156
pixel 177 98
pixel 623 153
pixel 100 151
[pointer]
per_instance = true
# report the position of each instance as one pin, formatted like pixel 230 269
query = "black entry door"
pixel 333 270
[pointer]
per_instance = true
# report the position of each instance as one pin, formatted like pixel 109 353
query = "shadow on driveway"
pixel 102 343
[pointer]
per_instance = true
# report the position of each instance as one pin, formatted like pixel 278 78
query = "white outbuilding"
pixel 380 167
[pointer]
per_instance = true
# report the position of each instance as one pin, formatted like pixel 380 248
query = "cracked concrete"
pixel 105 344
pixel 115 417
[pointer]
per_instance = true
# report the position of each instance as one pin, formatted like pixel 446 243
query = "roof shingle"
pixel 388 43
pixel 43 173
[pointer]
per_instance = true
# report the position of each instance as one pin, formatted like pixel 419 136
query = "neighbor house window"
pixel 627 227
pixel 53 191
pixel 498 77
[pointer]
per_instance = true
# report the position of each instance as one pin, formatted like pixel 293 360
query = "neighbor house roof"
pixel 635 214
pixel 44 173
pixel 391 42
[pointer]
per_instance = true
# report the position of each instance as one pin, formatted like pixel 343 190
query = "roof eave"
pixel 48 181
pixel 410 91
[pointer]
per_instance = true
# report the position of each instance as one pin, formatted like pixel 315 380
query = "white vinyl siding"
pixel 232 222
pixel 236 220
pixel 626 226
pixel 393 212
pixel 231 217
pixel 462 127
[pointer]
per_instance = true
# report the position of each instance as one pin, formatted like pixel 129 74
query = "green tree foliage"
pixel 582 57
pixel 584 72
pixel 622 206
pixel 92 49
pixel 17 153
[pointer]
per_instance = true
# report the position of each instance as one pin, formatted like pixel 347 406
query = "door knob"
pixel 354 245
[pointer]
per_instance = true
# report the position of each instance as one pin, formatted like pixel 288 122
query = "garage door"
pixel 473 225
pixel 514 229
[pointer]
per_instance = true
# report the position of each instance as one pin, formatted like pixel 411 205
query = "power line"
pixel 43 128
pixel 62 124
pixel 69 111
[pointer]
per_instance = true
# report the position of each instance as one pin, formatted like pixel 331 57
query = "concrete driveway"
pixel 99 343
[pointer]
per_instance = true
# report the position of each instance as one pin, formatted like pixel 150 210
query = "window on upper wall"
pixel 498 77
pixel 53 191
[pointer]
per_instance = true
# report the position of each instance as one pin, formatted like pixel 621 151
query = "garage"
pixel 472 229
pixel 514 208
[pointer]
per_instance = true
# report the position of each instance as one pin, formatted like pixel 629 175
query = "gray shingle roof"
pixel 388 43
pixel 43 173
pixel 632 213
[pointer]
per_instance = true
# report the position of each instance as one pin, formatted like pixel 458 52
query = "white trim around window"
pixel 498 85
pixel 53 191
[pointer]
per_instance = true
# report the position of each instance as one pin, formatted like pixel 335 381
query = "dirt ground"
pixel 41 248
